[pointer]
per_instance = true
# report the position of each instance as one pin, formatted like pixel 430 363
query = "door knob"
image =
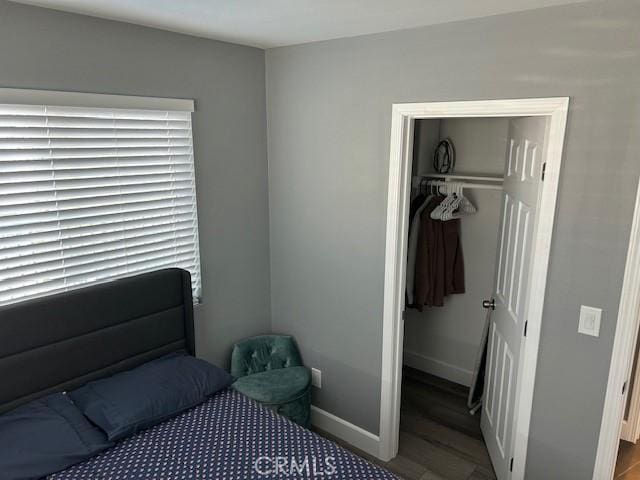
pixel 489 304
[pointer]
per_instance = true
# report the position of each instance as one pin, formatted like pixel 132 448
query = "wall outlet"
pixel 316 378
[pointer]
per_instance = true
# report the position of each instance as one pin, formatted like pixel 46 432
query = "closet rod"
pixel 481 186
pixel 453 177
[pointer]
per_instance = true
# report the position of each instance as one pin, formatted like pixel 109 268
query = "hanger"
pixel 440 209
pixel 460 207
pixel 454 205
pixel 466 205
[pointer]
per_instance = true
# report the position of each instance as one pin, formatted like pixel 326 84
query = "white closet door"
pixel 506 328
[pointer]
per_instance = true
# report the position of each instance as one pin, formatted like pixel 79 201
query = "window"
pixel 90 193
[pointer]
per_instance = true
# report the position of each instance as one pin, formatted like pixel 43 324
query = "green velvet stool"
pixel 269 369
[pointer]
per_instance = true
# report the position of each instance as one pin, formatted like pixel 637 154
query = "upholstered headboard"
pixel 61 342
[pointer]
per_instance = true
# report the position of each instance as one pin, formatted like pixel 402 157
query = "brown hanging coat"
pixel 439 263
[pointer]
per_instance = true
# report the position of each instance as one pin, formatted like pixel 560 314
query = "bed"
pixel 61 342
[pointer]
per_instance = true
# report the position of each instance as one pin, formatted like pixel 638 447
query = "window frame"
pixel 14 96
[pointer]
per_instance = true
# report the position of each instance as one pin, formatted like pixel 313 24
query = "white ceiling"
pixel 274 23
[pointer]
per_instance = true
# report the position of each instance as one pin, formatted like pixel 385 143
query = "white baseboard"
pixel 438 368
pixel 350 433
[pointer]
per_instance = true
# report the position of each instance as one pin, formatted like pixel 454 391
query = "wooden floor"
pixel 628 464
pixel 439 440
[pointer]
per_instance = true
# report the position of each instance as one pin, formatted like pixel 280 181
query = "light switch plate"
pixel 316 378
pixel 589 321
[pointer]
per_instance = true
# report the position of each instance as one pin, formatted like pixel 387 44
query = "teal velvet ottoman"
pixel 269 369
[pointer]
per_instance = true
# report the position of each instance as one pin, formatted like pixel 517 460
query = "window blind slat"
pixel 96 243
pixel 40 260
pixel 39 202
pixel 91 113
pixel 63 164
pixel 90 194
pixel 112 174
pixel 106 222
pixel 95 213
pixel 49 143
pixel 93 262
pixel 75 188
pixel 82 277
pixel 83 154
pixel 25 132
pixel 63 285
pixel 95 235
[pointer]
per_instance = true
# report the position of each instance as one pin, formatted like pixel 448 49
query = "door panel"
pixel 523 170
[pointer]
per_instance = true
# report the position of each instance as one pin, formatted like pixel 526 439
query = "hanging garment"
pixel 454 264
pixel 439 266
pixel 415 205
pixel 429 266
pixel 414 228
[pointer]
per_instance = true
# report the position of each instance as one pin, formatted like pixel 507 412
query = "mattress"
pixel 228 437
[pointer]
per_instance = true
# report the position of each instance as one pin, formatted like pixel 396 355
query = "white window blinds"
pixel 92 194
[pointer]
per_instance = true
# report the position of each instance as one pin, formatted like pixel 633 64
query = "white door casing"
pixel 522 176
pixel 403 114
pixel 631 424
pixel 624 345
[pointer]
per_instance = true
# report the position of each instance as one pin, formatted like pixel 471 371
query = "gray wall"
pixel 444 341
pixel 44 49
pixel 329 107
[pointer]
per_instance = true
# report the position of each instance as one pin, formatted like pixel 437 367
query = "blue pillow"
pixel 46 436
pixel 147 395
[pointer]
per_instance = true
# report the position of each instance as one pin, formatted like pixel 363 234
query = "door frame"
pixel 403 117
pixel 624 344
pixel 630 430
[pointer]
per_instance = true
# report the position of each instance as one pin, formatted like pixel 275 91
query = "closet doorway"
pixel 515 283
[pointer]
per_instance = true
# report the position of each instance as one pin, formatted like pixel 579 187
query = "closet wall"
pixel 444 341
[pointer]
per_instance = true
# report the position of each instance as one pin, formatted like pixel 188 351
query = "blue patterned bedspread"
pixel 228 437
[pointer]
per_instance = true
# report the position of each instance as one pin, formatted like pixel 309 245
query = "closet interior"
pixel 458 206
pixel 444 341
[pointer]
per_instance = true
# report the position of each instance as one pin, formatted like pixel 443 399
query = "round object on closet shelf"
pixel 444 157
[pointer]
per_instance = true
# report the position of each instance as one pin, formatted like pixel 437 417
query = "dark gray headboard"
pixel 62 341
